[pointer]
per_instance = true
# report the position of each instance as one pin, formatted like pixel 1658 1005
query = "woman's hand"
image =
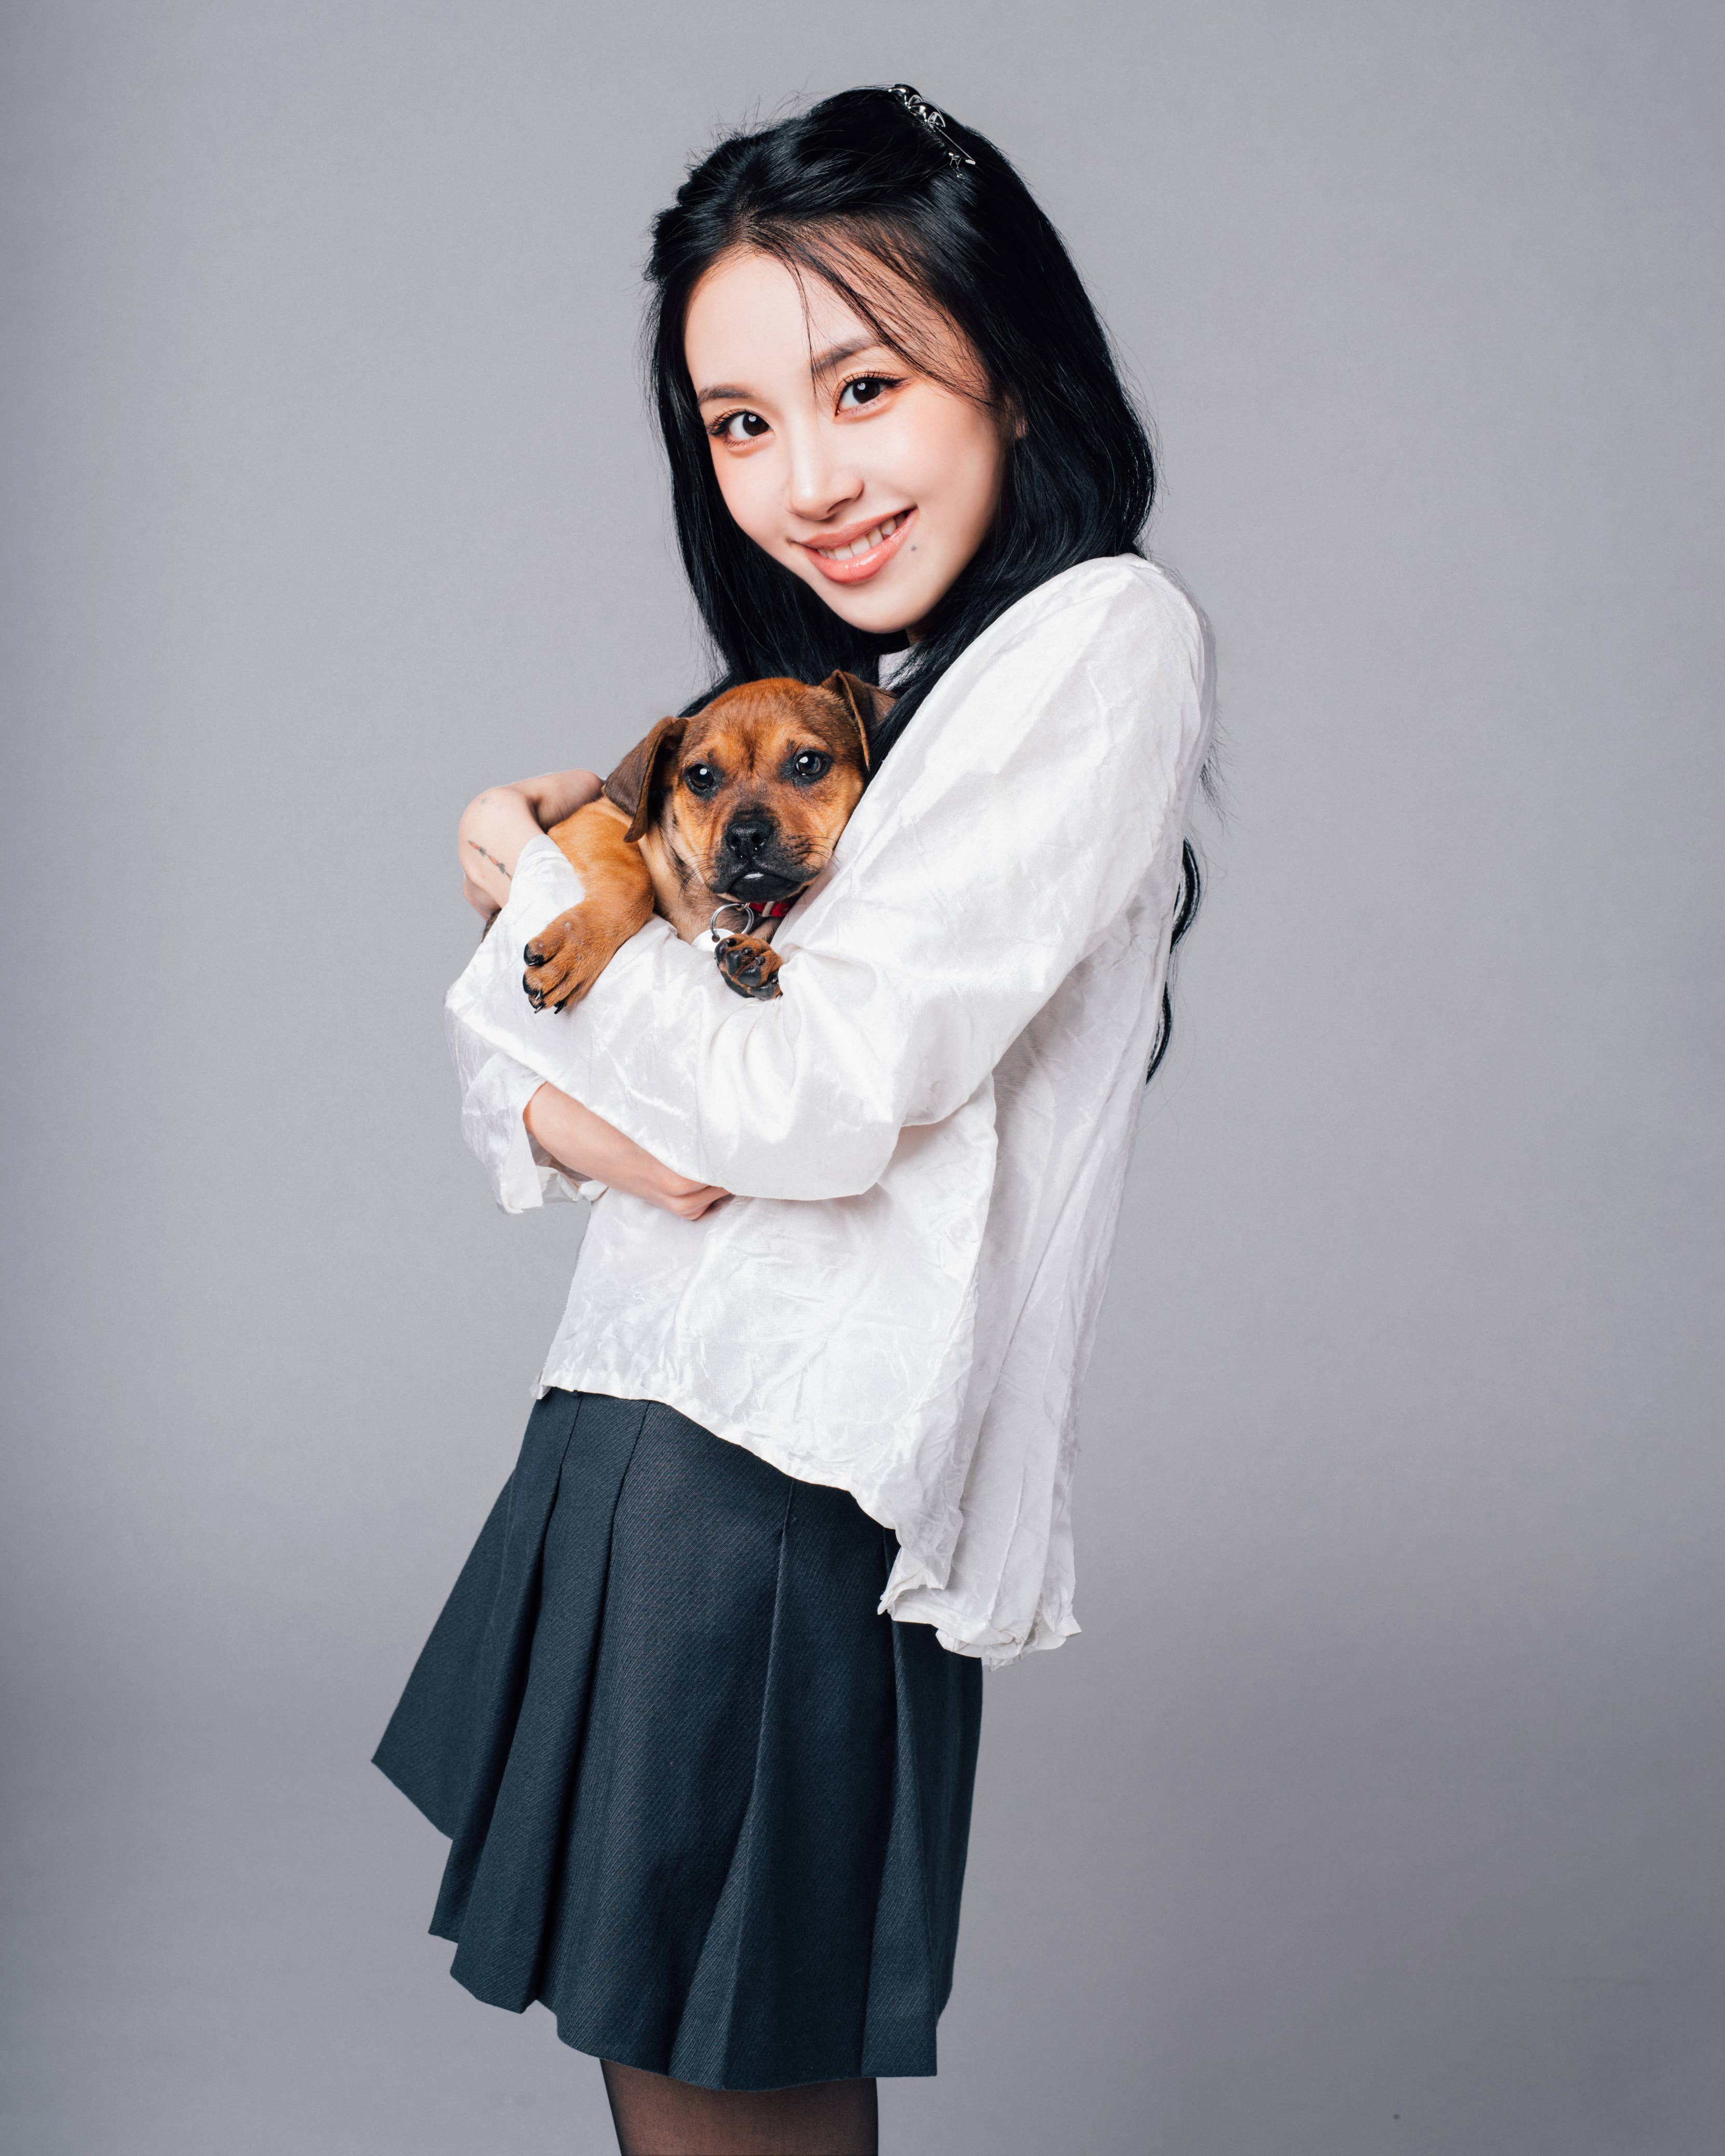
pixel 498 823
pixel 586 1146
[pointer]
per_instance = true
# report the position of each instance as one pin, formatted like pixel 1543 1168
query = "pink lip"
pixel 864 566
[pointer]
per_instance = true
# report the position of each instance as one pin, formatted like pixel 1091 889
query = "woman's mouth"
pixel 858 552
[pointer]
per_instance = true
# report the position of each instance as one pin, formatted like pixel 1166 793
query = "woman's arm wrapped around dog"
pixel 534 1141
pixel 538 1147
pixel 1042 787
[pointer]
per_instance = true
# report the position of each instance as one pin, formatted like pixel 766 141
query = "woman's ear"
pixel 867 706
pixel 633 786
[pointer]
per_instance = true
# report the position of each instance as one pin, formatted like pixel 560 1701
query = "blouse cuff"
pixel 522 1174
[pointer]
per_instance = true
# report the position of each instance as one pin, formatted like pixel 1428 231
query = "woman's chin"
pixel 886 608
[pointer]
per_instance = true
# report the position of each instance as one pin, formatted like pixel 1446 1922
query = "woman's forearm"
pixel 585 1145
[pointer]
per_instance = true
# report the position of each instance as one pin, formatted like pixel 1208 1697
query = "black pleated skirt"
pixel 704 1803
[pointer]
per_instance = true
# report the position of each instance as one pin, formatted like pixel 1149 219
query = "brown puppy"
pixel 735 809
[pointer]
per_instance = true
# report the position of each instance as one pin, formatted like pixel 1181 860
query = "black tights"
pixel 655 2116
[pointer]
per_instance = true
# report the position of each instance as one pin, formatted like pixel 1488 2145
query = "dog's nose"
pixel 746 836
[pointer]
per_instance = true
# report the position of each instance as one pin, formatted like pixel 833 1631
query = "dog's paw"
pixel 750 965
pixel 563 961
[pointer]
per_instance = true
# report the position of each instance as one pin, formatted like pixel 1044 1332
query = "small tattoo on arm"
pixel 491 858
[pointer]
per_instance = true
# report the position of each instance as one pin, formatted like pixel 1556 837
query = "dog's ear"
pixel 631 786
pixel 867 705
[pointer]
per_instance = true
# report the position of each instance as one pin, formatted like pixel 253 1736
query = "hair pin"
pixel 919 108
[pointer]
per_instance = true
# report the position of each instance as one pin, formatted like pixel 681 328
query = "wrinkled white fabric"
pixel 927 1132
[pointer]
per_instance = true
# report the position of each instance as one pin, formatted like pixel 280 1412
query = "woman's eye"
pixel 809 764
pixel 700 778
pixel 866 389
pixel 742 427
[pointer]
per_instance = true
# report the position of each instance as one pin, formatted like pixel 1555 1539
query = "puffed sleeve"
pixel 495 1089
pixel 1041 785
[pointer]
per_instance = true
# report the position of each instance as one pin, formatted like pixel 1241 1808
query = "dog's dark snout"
pixel 747 837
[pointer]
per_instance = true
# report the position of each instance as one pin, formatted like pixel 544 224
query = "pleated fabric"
pixel 703 1802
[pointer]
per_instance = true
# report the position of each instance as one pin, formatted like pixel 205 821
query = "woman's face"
pixel 870 482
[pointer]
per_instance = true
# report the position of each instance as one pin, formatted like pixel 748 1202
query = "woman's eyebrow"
pixel 836 355
pixel 831 359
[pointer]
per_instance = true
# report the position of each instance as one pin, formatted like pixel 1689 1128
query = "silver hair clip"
pixel 919 108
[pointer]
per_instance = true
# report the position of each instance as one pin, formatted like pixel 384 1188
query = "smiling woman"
pixel 868 477
pixel 701 1715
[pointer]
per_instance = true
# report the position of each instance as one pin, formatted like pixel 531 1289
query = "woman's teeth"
pixel 867 544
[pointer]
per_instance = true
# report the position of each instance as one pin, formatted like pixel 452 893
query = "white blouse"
pixel 927 1133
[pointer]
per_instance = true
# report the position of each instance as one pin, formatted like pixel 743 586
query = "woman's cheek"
pixel 746 491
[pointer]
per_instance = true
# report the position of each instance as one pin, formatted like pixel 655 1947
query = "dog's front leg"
pixel 567 956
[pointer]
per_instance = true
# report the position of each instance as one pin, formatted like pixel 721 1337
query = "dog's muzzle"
pixel 751 866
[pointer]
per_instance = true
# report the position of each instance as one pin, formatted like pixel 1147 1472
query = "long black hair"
pixel 860 194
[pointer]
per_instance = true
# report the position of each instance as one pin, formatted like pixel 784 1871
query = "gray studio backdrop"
pixel 1377 1808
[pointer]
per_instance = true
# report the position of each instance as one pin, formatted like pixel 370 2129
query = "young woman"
pixel 701 1716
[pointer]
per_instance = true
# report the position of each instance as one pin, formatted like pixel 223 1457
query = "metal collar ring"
pixel 733 905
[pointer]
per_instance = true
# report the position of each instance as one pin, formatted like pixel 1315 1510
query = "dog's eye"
pixel 700 778
pixel 809 764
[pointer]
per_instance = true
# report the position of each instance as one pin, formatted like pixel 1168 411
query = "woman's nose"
pixel 823 478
